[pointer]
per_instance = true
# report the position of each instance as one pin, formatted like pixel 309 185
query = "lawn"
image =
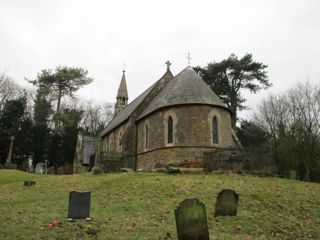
pixel 141 206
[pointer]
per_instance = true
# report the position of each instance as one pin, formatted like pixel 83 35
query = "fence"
pixel 233 159
pixel 114 161
pixel 222 158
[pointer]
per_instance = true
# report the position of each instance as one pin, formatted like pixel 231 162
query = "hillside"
pixel 140 206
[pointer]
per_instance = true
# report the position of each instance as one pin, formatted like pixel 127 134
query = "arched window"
pixel 170 130
pixel 146 136
pixel 214 130
pixel 120 138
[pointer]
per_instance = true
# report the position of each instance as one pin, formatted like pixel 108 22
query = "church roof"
pixel 185 88
pixel 122 91
pixel 126 112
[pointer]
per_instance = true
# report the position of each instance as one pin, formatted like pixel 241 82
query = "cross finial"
pixel 168 63
pixel 189 58
pixel 124 67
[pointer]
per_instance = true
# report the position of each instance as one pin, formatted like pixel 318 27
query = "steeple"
pixel 122 96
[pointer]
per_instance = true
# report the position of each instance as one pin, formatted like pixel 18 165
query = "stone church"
pixel 175 121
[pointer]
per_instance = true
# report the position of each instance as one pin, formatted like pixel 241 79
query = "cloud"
pixel 100 35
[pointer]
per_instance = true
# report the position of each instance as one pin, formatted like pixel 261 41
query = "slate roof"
pixel 185 88
pixel 122 91
pixel 126 112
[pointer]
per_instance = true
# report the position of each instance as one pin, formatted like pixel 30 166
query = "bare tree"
pixel 293 121
pixel 8 89
pixel 95 116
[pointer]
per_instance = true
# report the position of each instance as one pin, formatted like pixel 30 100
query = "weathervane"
pixel 168 63
pixel 189 58
pixel 124 66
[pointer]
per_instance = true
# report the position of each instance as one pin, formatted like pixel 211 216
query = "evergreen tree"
pixel 41 129
pixel 232 75
pixel 15 121
pixel 70 119
pixel 61 82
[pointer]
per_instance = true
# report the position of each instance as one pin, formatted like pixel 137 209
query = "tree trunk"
pixel 56 124
pixel 233 106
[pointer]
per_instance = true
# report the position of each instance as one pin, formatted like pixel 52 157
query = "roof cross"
pixel 189 58
pixel 168 63
pixel 124 66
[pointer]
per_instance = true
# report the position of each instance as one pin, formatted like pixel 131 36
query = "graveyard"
pixel 142 206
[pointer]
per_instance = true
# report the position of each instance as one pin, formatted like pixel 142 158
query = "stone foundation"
pixel 182 157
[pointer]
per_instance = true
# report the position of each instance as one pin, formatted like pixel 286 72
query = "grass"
pixel 140 206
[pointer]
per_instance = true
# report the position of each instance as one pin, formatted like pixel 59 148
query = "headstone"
pixel 292 174
pixel 46 164
pixel 39 168
pixel 29 183
pixel 227 203
pixel 191 220
pixel 30 165
pixel 79 205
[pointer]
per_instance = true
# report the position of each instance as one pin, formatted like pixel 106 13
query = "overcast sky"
pixel 101 35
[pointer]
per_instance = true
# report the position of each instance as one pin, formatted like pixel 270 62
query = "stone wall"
pixel 129 128
pixel 192 136
pixel 114 141
pixel 183 157
pixel 192 127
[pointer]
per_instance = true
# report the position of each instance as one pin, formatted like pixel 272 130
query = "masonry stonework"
pixel 142 128
pixel 192 136
pixel 186 157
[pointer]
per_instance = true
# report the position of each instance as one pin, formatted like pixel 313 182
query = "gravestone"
pixel 191 220
pixel 292 174
pixel 30 165
pixel 79 205
pixel 39 168
pixel 227 203
pixel 29 183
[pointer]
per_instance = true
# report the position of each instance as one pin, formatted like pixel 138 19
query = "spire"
pixel 122 96
pixel 122 91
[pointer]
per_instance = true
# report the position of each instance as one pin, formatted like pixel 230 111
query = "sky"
pixel 102 35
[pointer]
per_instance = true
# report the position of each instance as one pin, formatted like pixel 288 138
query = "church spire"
pixel 122 96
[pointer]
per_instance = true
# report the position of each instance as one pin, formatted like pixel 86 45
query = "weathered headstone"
pixel 79 205
pixel 227 203
pixel 30 164
pixel 191 220
pixel 29 183
pixel 45 168
pixel 292 174
pixel 39 168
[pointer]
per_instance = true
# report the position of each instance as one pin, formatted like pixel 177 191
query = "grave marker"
pixel 39 168
pixel 79 205
pixel 29 183
pixel 227 203
pixel 293 174
pixel 191 220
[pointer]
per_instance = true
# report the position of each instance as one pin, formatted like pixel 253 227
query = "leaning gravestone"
pixel 79 205
pixel 227 203
pixel 191 220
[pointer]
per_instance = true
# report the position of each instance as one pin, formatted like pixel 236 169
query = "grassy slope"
pixel 140 206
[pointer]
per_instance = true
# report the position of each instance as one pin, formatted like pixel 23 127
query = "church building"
pixel 175 121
